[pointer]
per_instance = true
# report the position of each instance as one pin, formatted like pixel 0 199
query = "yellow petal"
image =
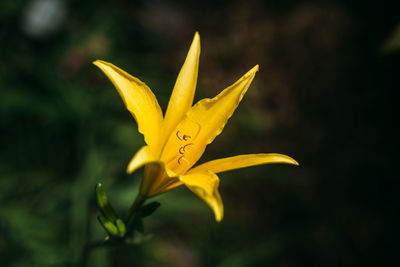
pixel 203 122
pixel 182 95
pixel 138 99
pixel 205 186
pixel 242 161
pixel 142 157
pixel 156 178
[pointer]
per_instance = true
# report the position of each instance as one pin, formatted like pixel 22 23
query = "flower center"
pixel 178 151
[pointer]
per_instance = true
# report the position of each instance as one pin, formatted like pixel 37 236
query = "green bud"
pixel 121 227
pixel 108 225
pixel 103 203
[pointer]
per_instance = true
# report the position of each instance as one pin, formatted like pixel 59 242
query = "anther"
pixel 177 135
pixel 182 158
pixel 185 137
pixel 182 149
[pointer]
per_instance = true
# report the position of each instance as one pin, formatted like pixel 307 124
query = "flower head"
pixel 176 141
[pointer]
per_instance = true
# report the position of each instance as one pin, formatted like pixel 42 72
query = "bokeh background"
pixel 325 95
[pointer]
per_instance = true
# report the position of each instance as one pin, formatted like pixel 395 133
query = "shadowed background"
pixel 325 95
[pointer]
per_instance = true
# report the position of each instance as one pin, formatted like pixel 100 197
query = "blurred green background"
pixel 325 95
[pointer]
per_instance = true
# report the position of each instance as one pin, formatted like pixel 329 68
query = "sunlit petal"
pixel 182 95
pixel 157 180
pixel 205 186
pixel 138 99
pixel 203 122
pixel 142 157
pixel 242 161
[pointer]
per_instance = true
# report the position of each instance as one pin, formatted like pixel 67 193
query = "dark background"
pixel 325 95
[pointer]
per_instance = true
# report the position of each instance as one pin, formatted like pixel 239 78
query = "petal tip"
pixel 100 63
pixel 255 69
pixel 195 46
pixel 129 169
pixel 285 159
pixel 97 62
pixel 218 218
pixel 288 160
pixel 251 72
pixel 292 161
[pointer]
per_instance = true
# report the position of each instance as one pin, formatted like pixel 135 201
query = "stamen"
pixel 185 137
pixel 182 149
pixel 182 158
pixel 177 135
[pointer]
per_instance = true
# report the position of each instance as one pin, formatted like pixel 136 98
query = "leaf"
pixel 149 209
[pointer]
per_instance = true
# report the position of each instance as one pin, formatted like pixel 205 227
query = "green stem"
pixel 103 243
pixel 133 209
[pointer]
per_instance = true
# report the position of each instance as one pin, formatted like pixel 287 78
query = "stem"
pixel 102 243
pixel 134 208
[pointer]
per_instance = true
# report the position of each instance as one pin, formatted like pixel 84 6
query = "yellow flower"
pixel 177 141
